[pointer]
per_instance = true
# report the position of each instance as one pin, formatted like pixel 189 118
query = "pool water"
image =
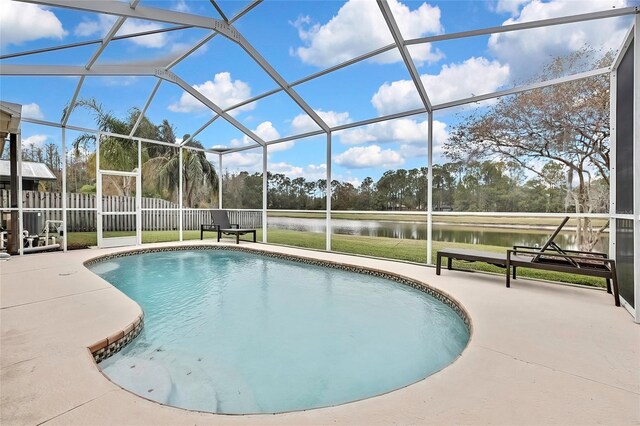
pixel 237 332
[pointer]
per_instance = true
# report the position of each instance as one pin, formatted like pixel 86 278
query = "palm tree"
pixel 160 162
pixel 115 153
pixel 197 171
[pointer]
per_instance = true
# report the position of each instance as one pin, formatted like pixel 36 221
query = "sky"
pixel 299 38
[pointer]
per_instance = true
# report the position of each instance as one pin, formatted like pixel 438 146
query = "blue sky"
pixel 299 38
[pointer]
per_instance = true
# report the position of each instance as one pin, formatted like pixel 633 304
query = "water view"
pixel 478 234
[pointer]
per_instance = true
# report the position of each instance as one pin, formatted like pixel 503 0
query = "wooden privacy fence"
pixel 157 214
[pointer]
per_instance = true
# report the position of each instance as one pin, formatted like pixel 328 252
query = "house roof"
pixel 30 170
pixel 9 117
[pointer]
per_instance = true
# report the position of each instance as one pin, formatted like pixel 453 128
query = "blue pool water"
pixel 236 332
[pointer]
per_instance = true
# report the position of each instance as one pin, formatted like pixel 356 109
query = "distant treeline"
pixel 474 186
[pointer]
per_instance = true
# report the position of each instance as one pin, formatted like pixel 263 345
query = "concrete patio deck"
pixel 540 353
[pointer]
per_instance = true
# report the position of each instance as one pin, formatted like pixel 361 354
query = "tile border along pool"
pixel 540 353
pixel 113 344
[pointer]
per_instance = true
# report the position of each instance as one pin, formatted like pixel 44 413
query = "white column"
pixel 139 196
pixel 430 190
pixel 220 181
pixel 328 194
pixel 64 191
pixel 264 193
pixel 180 206
pixel 98 194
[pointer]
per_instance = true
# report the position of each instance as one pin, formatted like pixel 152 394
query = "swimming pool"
pixel 235 332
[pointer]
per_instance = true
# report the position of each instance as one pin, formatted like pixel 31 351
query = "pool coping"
pixel 520 366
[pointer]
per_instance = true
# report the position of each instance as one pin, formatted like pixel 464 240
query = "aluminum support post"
pixel 65 227
pixel 220 181
pixel 328 195
pixel 430 190
pixel 265 189
pixel 138 197
pixel 180 202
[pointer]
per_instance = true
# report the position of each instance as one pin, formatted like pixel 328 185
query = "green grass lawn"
pixel 390 248
pixel 414 251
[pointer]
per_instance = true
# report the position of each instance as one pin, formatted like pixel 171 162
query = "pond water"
pixel 495 236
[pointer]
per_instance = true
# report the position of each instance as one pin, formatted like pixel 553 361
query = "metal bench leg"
pixel 514 272
pixel 438 262
pixel 219 235
pixel 508 266
pixel 201 233
pixel 237 238
pixel 616 292
pixel 449 262
pixel 608 285
pixel 254 236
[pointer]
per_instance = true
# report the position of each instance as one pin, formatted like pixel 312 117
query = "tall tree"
pixel 567 124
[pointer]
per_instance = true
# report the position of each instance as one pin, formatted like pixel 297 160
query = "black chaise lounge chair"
pixel 549 257
pixel 220 224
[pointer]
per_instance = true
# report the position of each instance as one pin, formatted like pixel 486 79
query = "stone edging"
pixel 107 347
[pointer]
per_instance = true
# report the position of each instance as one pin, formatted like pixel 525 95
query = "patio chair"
pixel 221 225
pixel 550 257
pixel 550 244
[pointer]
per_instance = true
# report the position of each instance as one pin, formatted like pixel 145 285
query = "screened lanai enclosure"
pixel 383 128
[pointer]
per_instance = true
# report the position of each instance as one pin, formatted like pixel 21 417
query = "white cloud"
pixel 104 23
pixel 242 161
pixel 360 157
pixel 405 131
pixel 315 172
pixel 252 163
pixel 509 6
pixel 286 169
pixel 282 146
pixel 32 111
pixel 23 22
pixel 359 28
pixel 181 6
pixel 353 180
pixel 310 172
pixel 265 131
pixel 223 91
pixel 527 51
pixel 88 28
pixel 35 140
pixel 474 76
pixel 302 123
